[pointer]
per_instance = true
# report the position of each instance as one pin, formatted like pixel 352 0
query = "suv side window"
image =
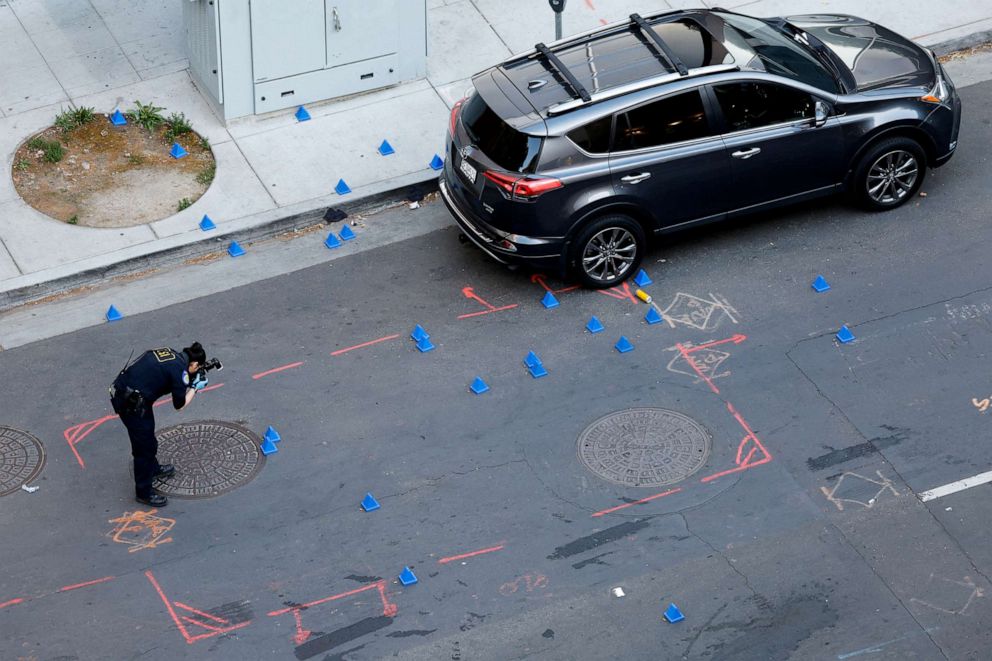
pixel 750 105
pixel 594 137
pixel 675 118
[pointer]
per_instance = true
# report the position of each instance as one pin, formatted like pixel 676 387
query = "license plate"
pixel 467 170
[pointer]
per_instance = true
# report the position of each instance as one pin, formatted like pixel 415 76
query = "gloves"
pixel 199 381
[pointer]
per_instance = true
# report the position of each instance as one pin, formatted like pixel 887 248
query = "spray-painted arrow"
pixel 736 339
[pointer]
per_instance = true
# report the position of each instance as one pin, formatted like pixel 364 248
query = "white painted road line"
pixel 954 487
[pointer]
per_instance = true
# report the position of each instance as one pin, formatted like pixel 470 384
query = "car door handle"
pixel 635 178
pixel 747 153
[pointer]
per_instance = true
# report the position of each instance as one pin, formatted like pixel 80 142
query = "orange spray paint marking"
pixel 12 602
pixel 66 588
pixel 301 634
pixel 470 294
pixel 275 370
pixel 620 292
pixel 216 627
pixel 141 530
pixel 363 345
pixel 638 502
pixel 751 443
pixel 472 554
pixel 541 279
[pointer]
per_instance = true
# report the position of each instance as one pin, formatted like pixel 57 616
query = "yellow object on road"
pixel 643 295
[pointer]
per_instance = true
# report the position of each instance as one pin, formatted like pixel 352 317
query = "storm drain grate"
pixel 21 459
pixel 211 458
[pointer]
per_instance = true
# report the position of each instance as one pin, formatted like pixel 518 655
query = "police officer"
pixel 155 373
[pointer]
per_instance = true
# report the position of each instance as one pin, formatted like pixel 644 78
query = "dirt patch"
pixel 965 53
pixel 111 176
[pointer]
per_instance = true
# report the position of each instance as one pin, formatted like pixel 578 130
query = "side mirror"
pixel 820 113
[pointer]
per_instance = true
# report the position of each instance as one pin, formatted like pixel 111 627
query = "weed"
pixel 65 121
pixel 179 124
pixel 37 143
pixel 22 164
pixel 146 115
pixel 204 143
pixel 135 159
pixel 53 151
pixel 184 204
pixel 83 115
pixel 74 220
pixel 206 175
pixel 68 120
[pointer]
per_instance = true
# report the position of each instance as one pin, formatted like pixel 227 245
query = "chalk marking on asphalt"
pixel 879 646
pixel 76 586
pixel 472 554
pixel 363 345
pixel 639 502
pixel 12 602
pixel 954 487
pixel 277 369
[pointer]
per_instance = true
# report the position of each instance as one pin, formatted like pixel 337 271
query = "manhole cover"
pixel 211 458
pixel 21 459
pixel 644 447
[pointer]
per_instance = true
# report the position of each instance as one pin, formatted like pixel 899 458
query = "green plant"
pixel 206 175
pixel 83 115
pixel 205 144
pixel 179 124
pixel 184 204
pixel 68 120
pixel 65 121
pixel 22 165
pixel 146 115
pixel 135 159
pixel 74 220
pixel 37 142
pixel 53 151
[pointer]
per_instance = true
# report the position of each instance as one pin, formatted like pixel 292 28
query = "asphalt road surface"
pixel 778 486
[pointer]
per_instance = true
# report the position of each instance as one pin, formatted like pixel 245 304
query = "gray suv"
pixel 571 156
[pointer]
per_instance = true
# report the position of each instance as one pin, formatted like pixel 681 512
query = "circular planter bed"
pixel 83 170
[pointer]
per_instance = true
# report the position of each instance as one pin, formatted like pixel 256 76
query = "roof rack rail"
pixel 663 49
pixel 620 90
pixel 559 67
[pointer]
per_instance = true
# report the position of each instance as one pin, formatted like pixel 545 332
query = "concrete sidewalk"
pixel 107 53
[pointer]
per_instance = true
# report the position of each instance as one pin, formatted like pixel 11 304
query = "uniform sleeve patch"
pixel 163 355
pixel 186 377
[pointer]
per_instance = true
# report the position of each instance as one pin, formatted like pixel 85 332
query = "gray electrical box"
pixel 255 56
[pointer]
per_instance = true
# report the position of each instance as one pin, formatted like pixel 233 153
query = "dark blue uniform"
pixel 156 373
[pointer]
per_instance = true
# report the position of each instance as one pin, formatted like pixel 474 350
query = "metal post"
pixel 557 26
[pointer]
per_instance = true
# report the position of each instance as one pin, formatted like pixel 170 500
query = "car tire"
pixel 618 241
pixel 889 174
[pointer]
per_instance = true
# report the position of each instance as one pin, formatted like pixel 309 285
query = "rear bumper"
pixel 501 246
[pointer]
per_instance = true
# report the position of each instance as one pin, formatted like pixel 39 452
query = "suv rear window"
pixel 508 148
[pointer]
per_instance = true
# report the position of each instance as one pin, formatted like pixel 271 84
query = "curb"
pixel 209 244
pixel 961 43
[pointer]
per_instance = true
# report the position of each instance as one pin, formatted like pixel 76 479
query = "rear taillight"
pixel 523 188
pixel 454 116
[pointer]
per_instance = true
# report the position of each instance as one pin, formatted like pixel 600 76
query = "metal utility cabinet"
pixel 254 56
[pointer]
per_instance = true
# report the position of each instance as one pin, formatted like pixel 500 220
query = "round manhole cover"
pixel 21 459
pixel 644 447
pixel 210 457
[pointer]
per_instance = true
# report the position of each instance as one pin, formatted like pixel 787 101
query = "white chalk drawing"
pixel 968 311
pixel 967 591
pixel 699 313
pixel 851 484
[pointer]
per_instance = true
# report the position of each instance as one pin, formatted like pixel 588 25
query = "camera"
pixel 212 364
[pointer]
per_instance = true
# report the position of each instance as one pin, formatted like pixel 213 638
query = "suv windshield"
pixel 505 146
pixel 782 55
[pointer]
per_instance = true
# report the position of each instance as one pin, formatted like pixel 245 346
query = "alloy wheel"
pixel 609 254
pixel 892 176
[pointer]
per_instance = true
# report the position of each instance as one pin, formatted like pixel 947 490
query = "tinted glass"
pixel 692 45
pixel 752 105
pixel 672 119
pixel 594 137
pixel 504 145
pixel 781 55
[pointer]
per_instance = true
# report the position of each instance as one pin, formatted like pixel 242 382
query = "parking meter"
pixel 558 6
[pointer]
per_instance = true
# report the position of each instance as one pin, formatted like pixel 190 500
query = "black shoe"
pixel 154 500
pixel 166 470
